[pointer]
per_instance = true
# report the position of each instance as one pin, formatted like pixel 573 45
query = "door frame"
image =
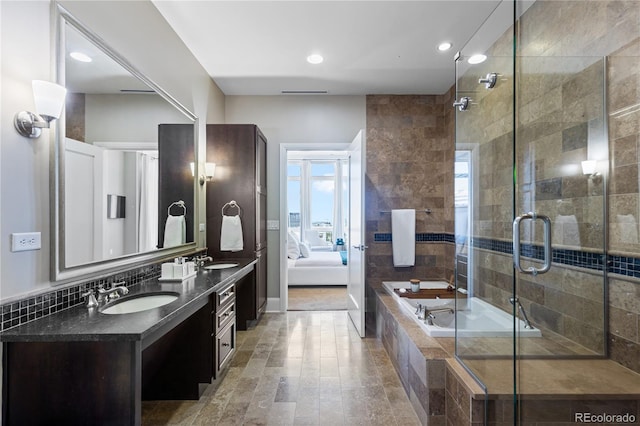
pixel 284 149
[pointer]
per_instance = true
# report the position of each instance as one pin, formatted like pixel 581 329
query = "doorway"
pixel 315 228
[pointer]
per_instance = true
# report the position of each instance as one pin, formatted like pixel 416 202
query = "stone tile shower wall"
pixel 410 154
pixel 574 58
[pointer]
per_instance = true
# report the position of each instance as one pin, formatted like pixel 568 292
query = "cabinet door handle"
pixel 226 344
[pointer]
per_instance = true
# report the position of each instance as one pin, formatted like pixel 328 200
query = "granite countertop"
pixel 83 324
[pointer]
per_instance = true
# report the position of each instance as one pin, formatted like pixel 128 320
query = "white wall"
pixel 127 117
pixel 294 119
pixel 24 163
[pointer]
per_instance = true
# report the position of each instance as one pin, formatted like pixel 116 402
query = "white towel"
pixel 628 228
pixel 231 234
pixel 175 231
pixel 403 231
pixel 566 230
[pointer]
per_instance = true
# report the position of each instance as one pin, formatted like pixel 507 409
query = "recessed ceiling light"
pixel 477 59
pixel 443 47
pixel 315 59
pixel 79 56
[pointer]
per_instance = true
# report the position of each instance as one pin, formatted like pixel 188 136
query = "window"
pixel 316 209
pixel 294 200
pixel 322 199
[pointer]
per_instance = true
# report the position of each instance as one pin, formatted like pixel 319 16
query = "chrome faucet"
pixel 116 290
pixel 91 299
pixel 429 314
pixel 420 311
pixel 527 324
pixel 200 261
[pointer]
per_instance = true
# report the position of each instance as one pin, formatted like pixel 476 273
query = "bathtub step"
pixel 429 293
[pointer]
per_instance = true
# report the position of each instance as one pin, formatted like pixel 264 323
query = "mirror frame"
pixel 60 273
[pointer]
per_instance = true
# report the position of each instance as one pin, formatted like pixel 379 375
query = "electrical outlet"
pixel 202 227
pixel 23 241
pixel 273 225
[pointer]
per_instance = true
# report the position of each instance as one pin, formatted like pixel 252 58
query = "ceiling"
pixel 369 47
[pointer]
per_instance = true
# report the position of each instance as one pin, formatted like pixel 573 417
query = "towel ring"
pixel 178 204
pixel 232 204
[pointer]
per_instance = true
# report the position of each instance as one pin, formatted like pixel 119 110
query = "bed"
pixel 320 268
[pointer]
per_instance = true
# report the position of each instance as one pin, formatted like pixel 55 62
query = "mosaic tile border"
pixel 22 311
pixel 577 258
pixel 622 265
pixel 380 237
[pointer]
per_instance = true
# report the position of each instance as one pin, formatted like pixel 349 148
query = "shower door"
pixel 531 258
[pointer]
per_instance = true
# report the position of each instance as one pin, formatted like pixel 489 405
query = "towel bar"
pixel 179 204
pixel 232 204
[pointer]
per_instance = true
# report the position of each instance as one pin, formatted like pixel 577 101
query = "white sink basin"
pixel 221 266
pixel 139 302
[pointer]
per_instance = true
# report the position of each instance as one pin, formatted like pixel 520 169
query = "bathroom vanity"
pixel 82 366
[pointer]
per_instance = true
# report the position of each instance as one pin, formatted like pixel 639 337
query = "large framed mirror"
pixel 123 191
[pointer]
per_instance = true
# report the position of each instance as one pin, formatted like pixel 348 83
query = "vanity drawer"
pixel 225 295
pixel 224 316
pixel 225 345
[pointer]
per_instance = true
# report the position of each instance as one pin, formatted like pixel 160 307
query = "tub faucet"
pixel 116 290
pixel 527 324
pixel 429 314
pixel 420 311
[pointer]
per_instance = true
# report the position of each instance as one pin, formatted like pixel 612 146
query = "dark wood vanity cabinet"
pixel 223 326
pixel 240 154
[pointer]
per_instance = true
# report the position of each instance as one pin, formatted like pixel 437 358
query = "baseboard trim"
pixel 273 305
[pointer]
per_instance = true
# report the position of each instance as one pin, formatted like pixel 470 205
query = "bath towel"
pixel 175 231
pixel 403 237
pixel 231 234
pixel 566 230
pixel 628 229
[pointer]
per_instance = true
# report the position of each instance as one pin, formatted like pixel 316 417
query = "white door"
pixel 355 287
pixel 83 203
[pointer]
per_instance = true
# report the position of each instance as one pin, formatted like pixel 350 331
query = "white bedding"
pixel 321 268
pixel 319 258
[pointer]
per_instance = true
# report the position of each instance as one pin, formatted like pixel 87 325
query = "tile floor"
pixel 298 368
pixel 317 298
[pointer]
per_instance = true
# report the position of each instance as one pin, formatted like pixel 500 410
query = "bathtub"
pixel 476 318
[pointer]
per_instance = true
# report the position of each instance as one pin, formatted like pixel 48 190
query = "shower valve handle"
pixel 463 103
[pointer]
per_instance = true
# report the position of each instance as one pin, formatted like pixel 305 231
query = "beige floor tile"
pixel 298 368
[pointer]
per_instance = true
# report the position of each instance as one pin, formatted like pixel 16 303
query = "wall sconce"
pixel 209 169
pixel 589 167
pixel 49 100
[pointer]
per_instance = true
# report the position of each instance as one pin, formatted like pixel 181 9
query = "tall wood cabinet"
pixel 240 154
pixel 175 182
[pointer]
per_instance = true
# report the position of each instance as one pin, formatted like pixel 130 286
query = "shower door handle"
pixel 547 243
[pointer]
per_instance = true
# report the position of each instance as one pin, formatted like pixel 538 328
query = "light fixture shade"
pixel 49 99
pixel 210 169
pixel 589 167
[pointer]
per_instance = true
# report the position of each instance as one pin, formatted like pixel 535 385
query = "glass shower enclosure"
pixel 531 141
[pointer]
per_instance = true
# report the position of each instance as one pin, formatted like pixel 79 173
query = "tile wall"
pixel 578 70
pixel 410 166
pixel 32 308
